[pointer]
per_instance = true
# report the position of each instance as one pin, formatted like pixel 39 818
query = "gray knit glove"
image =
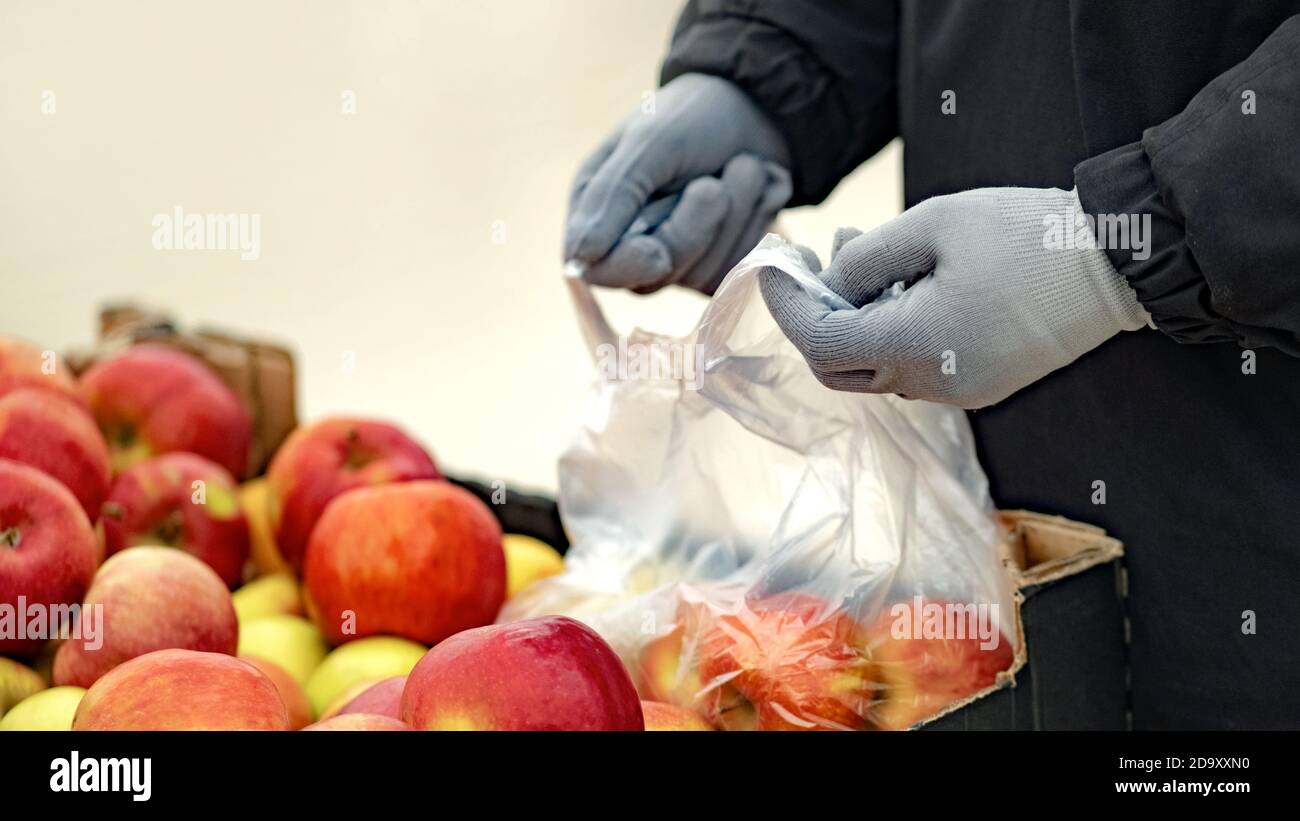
pixel 994 299
pixel 678 194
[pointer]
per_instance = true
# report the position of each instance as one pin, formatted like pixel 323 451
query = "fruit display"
pixel 353 587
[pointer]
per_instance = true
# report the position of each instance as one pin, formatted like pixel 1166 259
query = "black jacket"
pixel 1143 107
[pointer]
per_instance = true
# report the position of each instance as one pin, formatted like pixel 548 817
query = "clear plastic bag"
pixel 766 551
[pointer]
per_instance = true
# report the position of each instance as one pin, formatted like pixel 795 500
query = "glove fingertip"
pixel 810 258
pixel 586 242
pixel 634 263
pixel 843 236
pixel 792 308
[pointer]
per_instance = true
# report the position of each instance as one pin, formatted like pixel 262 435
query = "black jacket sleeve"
pixel 824 71
pixel 1222 187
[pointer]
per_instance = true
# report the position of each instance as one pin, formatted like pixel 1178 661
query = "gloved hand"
pixel 991 304
pixel 709 141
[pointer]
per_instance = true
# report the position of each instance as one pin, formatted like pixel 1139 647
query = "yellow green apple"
pixel 527 560
pixel 274 595
pixel 290 641
pixel 254 497
pixel 17 682
pixel 368 659
pixel 50 709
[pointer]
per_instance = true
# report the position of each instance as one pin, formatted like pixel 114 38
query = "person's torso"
pixel 1198 459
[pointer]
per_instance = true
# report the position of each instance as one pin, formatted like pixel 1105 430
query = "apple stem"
pixel 11 537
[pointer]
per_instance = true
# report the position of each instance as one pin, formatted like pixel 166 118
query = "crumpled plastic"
pixel 765 551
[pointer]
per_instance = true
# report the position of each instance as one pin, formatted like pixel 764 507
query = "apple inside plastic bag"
pixel 767 551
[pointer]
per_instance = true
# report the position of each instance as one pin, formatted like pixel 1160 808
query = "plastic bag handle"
pixel 596 330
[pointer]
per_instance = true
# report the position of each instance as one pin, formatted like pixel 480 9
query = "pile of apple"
pixel 352 588
pixel 348 561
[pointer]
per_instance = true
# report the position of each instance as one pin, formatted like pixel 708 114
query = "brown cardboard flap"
pixel 1046 548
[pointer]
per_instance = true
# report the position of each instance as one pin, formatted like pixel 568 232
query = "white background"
pixel 377 228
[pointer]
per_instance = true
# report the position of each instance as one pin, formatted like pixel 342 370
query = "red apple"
pixel 23 365
pixel 291 692
pixel 182 690
pixel 920 674
pixel 49 431
pixel 48 551
pixel 153 598
pixel 420 560
pixel 383 698
pixel 150 399
pixel 322 460
pixel 358 721
pixel 551 673
pixel 660 716
pixel 184 501
pixel 785 662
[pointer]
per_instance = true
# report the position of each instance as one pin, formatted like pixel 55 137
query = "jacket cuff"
pixel 786 82
pixel 1167 280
